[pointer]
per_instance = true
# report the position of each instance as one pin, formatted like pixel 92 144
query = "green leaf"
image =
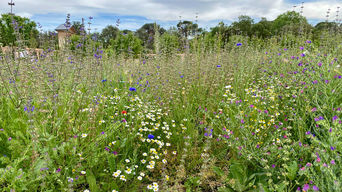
pixel 91 181
pixel 111 162
pixel 281 187
pixel 292 170
pixel 218 171
pixel 262 187
pixel 237 171
pixel 225 189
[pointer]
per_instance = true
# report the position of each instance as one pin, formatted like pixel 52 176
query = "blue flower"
pixel 104 80
pixel 132 89
pixel 238 44
pixel 218 66
pixel 150 136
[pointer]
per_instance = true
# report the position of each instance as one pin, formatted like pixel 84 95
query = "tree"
pixel 126 31
pixel 325 29
pixel 243 26
pixel 14 28
pixel 78 26
pixel 187 28
pixel 291 22
pixel 327 26
pixel 108 33
pixel 262 29
pixel 169 43
pixel 126 43
pixel 222 31
pixel 147 32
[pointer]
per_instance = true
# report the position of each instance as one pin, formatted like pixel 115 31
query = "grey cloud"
pixel 170 10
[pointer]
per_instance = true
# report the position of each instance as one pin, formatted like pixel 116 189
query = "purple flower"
pixel 70 180
pixel 301 48
pixel 58 170
pixel 319 118
pixel 334 118
pixel 10 138
pixel 308 41
pixel 242 121
pixel 218 66
pixel 332 162
pixel 319 64
pixel 315 188
pixel 306 187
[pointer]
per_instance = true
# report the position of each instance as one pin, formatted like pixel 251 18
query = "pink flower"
pixel 306 187
pixel 315 188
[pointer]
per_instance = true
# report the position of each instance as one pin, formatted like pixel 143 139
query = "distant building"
pixel 64 32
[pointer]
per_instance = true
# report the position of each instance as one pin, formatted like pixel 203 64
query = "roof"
pixel 62 27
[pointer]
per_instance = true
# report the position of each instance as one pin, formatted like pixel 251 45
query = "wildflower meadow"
pixel 248 114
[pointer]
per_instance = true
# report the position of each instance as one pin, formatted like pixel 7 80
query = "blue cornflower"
pixel 104 80
pixel 238 44
pixel 150 136
pixel 132 89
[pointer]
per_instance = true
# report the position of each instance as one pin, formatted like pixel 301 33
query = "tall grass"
pixel 253 116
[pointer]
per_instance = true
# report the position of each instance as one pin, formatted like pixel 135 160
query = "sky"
pixel 134 13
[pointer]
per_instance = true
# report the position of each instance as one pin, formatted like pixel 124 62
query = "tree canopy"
pixel 12 27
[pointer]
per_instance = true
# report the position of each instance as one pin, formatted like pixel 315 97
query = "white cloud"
pixel 170 10
pixel 25 14
pixel 318 9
